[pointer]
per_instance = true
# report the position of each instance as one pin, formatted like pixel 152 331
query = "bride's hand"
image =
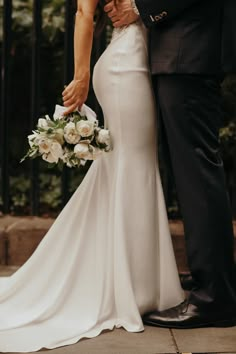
pixel 75 94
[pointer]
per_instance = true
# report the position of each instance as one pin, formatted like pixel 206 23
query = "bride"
pixel 108 258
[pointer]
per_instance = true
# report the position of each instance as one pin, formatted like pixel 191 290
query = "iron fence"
pixel 5 94
pixel 7 83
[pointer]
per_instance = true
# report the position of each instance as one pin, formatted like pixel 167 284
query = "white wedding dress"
pixel 108 258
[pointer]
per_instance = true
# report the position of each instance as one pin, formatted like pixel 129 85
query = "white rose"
pixel 43 123
pixel 103 137
pixel 71 134
pixel 85 128
pixel 49 158
pixel 59 110
pixel 51 150
pixel 56 150
pixel 39 138
pixel 82 151
pixel 44 145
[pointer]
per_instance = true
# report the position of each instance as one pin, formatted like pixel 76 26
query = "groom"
pixel 192 43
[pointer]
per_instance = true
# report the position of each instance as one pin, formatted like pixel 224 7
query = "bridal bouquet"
pixel 70 140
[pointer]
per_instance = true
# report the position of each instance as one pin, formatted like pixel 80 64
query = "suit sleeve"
pixel 154 12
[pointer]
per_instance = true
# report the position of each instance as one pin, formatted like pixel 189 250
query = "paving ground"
pixel 152 340
pixel 155 341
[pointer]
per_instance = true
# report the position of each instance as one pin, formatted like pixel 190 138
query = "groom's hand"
pixel 122 13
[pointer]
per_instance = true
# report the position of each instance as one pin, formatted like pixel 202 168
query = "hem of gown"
pixel 110 325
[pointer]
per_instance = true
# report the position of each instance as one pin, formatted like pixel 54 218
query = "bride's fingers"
pixel 65 96
pixel 70 101
pixel 73 108
pixel 68 111
pixel 66 90
pixel 69 92
pixel 77 97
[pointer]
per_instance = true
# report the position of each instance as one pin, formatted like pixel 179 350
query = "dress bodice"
pixel 136 26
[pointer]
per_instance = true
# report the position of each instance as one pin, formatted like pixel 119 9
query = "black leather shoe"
pixel 187 281
pixel 187 315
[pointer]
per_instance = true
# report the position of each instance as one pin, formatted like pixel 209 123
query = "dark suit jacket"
pixel 191 36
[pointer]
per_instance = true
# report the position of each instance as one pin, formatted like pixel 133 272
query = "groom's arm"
pixel 153 12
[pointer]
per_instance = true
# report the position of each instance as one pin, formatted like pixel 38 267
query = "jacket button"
pixel 158 18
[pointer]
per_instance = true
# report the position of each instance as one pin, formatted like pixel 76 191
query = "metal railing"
pixel 5 95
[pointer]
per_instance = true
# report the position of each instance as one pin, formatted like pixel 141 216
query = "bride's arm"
pixel 76 92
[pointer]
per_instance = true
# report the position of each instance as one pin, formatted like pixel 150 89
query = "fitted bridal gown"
pixel 108 258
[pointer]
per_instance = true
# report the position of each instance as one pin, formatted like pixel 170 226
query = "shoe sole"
pixel 218 324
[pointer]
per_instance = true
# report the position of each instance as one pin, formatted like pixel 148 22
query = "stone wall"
pixel 19 237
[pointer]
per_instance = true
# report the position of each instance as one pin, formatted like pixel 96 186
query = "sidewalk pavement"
pixel 155 341
pixel 152 340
